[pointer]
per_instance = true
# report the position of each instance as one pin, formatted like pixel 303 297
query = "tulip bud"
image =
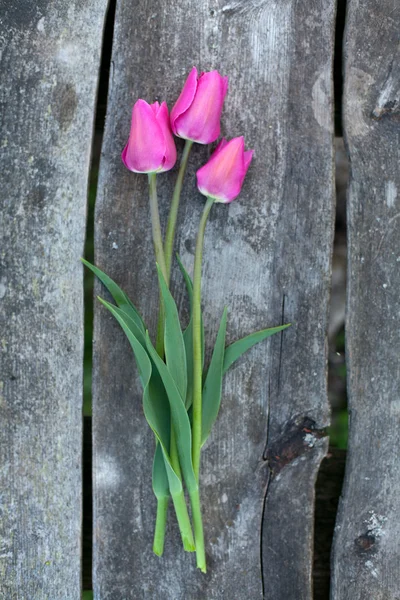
pixel 222 177
pixel 197 112
pixel 151 147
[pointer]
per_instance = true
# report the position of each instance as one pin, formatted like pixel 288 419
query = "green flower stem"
pixel 197 390
pixel 160 258
pixel 197 357
pixel 159 252
pixel 198 529
pixel 173 453
pixel 182 516
pixel 173 211
pixel 168 250
pixel 161 520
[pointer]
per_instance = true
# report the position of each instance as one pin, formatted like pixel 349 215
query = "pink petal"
pixel 247 159
pixel 186 97
pixel 201 121
pixel 170 148
pixel 156 107
pixel 146 147
pixel 220 145
pixel 223 175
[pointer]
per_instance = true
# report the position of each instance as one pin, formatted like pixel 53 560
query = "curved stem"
pixel 182 516
pixel 173 211
pixel 197 345
pixel 161 520
pixel 173 452
pixel 160 258
pixel 162 503
pixel 198 530
pixel 159 252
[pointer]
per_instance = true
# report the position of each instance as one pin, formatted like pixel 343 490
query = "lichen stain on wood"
pixel 64 103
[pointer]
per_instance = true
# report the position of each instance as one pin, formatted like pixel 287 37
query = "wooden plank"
pixel 267 257
pixel 366 556
pixel 301 276
pixel 50 55
pixel 328 489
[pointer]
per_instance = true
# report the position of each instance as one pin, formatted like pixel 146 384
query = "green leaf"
pixel 119 296
pixel 235 350
pixel 174 346
pixel 188 281
pixel 188 340
pixel 180 418
pixel 158 416
pixel 212 388
pixel 159 476
pixel 188 336
pixel 159 473
pixel 155 409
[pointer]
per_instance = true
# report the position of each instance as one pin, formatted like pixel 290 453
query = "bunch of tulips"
pixel 181 398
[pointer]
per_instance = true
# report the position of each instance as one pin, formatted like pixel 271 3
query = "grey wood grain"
pixel 366 549
pixel 301 272
pixel 267 256
pixel 50 55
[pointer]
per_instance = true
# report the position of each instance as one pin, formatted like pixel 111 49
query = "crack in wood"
pixel 281 343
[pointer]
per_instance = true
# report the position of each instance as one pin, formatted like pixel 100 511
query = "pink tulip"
pixel 222 177
pixel 197 112
pixel 151 146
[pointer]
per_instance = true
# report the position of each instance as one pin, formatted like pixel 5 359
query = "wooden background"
pixel 267 256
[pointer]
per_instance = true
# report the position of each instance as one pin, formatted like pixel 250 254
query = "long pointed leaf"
pixel 188 340
pixel 213 384
pixel 156 412
pixel 159 475
pixel 235 350
pixel 175 353
pixel 179 417
pixel 187 279
pixel 158 416
pixel 188 336
pixel 119 296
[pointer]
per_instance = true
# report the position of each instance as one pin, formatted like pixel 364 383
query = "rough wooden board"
pixel 300 281
pixel 268 249
pixel 328 490
pixel 366 550
pixel 50 57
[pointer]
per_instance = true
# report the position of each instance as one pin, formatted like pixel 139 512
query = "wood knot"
pixel 365 542
pixel 299 436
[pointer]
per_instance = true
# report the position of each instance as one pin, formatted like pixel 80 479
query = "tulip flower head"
pixel 151 147
pixel 222 176
pixel 197 112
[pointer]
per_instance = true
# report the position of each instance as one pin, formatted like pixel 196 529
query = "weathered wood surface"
pixel 267 257
pixel 328 489
pixel 49 61
pixel 303 185
pixel 366 550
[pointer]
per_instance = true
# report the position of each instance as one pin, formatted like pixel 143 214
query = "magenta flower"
pixel 151 147
pixel 197 112
pixel 222 177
